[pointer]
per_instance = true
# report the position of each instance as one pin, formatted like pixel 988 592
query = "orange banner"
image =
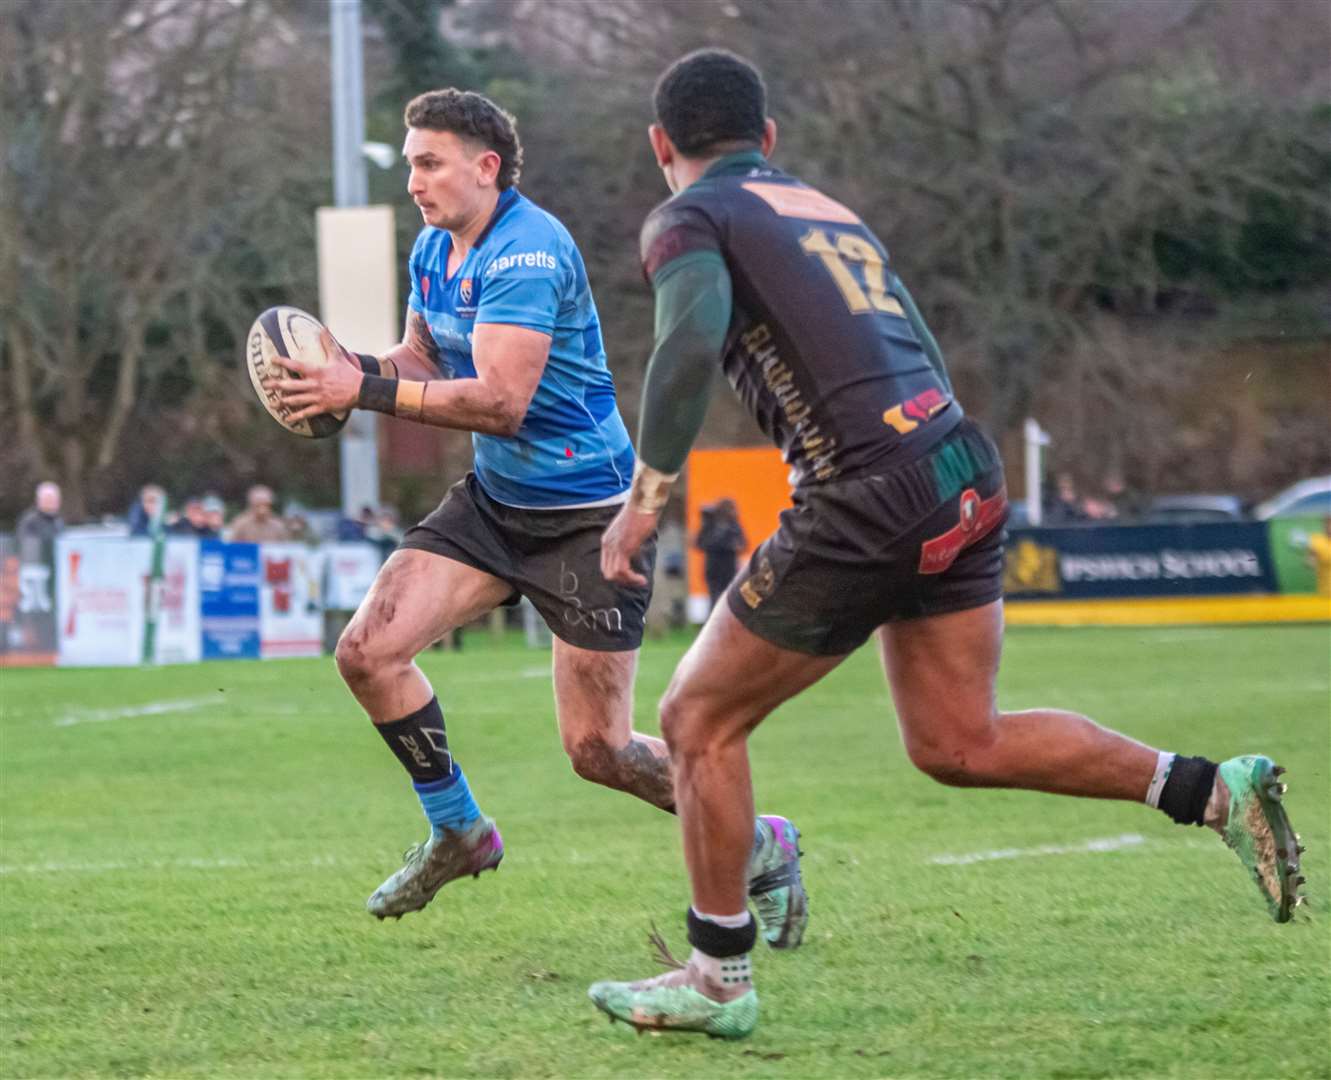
pixel 755 477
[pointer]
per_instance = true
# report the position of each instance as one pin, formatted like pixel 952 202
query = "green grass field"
pixel 181 886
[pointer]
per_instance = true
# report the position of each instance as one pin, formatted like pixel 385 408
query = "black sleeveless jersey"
pixel 819 349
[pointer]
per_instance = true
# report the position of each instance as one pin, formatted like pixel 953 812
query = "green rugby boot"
pixel 445 856
pixel 680 1000
pixel 1259 831
pixel 775 885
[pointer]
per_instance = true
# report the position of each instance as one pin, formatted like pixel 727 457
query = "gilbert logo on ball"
pixel 278 334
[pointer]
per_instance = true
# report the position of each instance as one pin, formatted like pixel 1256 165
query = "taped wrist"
pixel 721 941
pixel 379 394
pixel 420 743
pixel 651 488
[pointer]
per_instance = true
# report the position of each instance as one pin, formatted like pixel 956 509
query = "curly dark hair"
pixel 709 98
pixel 474 116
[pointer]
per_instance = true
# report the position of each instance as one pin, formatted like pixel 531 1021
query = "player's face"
pixel 451 179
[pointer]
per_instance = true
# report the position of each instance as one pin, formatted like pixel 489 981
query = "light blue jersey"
pixel 525 270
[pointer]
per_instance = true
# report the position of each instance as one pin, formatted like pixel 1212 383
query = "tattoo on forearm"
pixel 420 339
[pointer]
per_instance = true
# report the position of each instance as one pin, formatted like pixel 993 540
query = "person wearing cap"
pixel 259 524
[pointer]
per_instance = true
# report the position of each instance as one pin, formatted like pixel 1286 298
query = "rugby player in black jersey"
pixel 896 528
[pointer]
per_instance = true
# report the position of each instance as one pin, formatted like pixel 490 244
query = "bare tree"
pixel 1046 173
pixel 145 147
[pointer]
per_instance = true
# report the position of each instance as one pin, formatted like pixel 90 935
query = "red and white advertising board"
pixel 102 590
pixel 291 602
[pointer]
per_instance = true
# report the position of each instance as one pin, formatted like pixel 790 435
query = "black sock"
pixel 721 941
pixel 420 744
pixel 1188 789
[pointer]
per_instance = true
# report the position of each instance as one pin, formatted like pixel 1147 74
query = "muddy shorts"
pixel 552 557
pixel 923 539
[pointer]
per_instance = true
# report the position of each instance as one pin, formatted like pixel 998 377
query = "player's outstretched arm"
pixel 693 306
pixel 509 361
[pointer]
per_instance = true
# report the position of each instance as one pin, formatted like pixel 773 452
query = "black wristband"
pixel 378 393
pixel 370 364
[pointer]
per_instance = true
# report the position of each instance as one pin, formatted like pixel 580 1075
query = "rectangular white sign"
pixel 349 573
pixel 101 589
pixel 291 608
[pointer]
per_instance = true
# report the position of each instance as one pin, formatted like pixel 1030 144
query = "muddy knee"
pixel 355 662
pixel 634 768
pixel 593 759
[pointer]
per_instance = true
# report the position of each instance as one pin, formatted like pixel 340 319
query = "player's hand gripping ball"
pixel 280 334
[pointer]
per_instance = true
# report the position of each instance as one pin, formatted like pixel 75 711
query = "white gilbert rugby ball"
pixel 283 332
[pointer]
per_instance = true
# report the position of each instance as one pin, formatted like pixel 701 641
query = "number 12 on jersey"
pixel 839 255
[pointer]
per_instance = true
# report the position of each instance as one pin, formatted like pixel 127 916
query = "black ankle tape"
pixel 721 941
pixel 1188 789
pixel 420 743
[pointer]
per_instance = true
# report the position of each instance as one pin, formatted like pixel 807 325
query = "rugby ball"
pixel 279 333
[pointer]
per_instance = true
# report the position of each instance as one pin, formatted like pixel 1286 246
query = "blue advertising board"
pixel 1082 563
pixel 229 596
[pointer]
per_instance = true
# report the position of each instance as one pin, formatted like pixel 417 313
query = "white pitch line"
pixel 151 864
pixel 1106 843
pixel 156 708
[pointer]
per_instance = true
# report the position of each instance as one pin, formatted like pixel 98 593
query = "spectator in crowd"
pixel 383 531
pixel 298 525
pixel 40 524
pixel 1066 506
pixel 1127 503
pixel 214 514
pixel 668 608
pixel 258 524
pixel 147 514
pixel 721 541
pixel 356 528
pixel 193 521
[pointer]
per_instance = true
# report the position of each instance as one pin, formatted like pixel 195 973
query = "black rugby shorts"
pixel 552 557
pixel 923 539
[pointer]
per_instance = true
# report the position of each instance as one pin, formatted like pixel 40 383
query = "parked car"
pixel 1193 509
pixel 1311 496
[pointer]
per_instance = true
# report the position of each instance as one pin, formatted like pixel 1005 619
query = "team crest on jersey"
pixel 464 290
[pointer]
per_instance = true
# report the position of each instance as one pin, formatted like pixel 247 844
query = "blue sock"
pixel 448 803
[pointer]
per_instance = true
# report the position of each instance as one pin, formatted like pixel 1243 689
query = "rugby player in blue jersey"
pixel 896 529
pixel 502 339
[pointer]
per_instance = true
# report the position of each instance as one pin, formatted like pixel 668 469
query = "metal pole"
pixel 1036 439
pixel 358 449
pixel 349 184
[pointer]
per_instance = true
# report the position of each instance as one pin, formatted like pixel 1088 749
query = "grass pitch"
pixel 186 851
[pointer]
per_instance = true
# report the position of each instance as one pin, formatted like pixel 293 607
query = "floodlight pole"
pixel 348 68
pixel 358 444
